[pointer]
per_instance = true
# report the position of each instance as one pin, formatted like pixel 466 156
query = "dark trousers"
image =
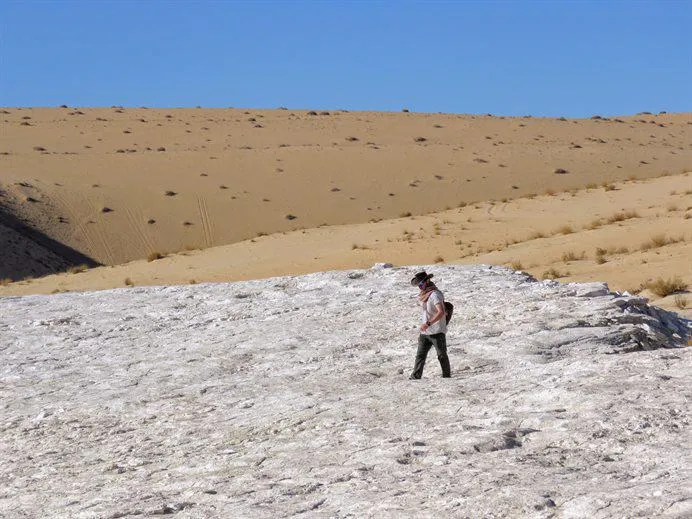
pixel 425 342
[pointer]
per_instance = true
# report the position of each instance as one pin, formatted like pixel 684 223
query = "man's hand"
pixel 424 327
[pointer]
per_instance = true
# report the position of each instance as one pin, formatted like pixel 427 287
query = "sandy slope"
pixel 495 233
pixel 237 173
pixel 290 396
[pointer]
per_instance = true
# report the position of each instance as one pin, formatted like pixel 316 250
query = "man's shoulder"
pixel 437 296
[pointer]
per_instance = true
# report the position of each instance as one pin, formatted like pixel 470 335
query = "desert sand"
pixel 230 194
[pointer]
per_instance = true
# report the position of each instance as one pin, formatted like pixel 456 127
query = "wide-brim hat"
pixel 420 277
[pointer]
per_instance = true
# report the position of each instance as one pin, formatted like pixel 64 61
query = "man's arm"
pixel 438 315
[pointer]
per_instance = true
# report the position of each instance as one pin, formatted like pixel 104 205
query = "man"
pixel 434 327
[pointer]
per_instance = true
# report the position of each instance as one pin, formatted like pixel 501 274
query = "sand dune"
pixel 222 176
pixel 591 234
pixel 269 192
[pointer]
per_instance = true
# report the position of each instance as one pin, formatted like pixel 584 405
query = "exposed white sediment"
pixel 290 395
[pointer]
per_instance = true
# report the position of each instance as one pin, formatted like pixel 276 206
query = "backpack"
pixel 449 310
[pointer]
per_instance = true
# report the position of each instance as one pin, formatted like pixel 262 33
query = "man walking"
pixel 434 327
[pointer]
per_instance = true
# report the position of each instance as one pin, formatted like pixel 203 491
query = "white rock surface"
pixel 291 396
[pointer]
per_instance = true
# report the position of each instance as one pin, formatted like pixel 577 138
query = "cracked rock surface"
pixel 288 396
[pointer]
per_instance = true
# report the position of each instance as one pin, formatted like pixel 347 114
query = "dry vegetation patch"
pixel 659 240
pixel 153 256
pixel 665 287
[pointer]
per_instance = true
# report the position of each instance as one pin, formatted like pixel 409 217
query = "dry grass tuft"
pixel 438 259
pixel 657 241
pixel 153 256
pixel 665 287
pixel 623 215
pixel 76 269
pixel 128 282
pixel 572 256
pixel 516 265
pixel 680 302
pixel 595 224
pixel 5 281
pixel 554 274
pixel 565 229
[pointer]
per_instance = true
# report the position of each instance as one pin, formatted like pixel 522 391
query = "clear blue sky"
pixel 507 58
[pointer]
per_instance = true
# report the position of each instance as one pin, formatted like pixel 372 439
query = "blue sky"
pixel 506 58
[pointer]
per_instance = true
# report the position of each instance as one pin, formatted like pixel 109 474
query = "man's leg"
pixel 424 345
pixel 440 342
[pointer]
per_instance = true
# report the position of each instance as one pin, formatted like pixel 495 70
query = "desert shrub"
pixel 680 302
pixel 151 221
pixel 665 287
pixel 657 241
pixel 76 269
pixel 420 139
pixel 291 217
pixel 39 148
pixel 623 215
pixel 595 224
pixel 128 282
pixel 5 282
pixel 405 214
pixel 565 229
pixel 106 210
pixel 536 235
pixel 160 148
pixel 560 171
pixel 153 256
pixel 571 256
pixel 170 193
pixel 516 265
pixel 554 274
pixel 438 259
